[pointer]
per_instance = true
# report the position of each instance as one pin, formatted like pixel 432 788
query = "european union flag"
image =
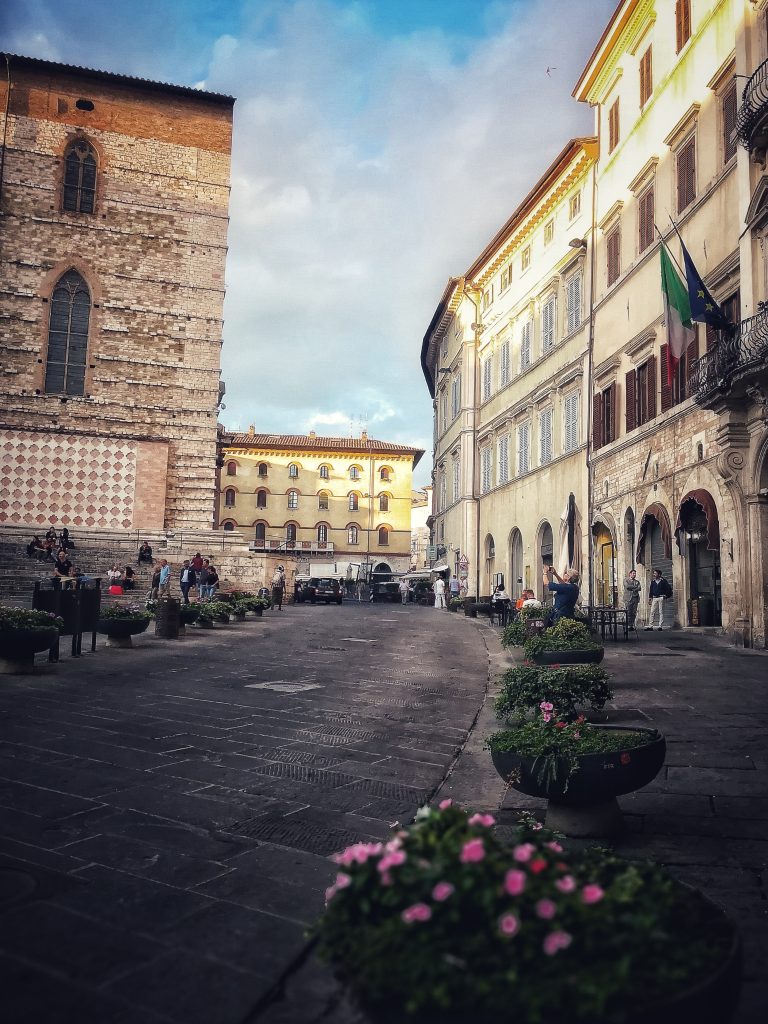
pixel 703 306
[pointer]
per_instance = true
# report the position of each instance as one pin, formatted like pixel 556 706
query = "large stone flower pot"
pixel 18 648
pixel 120 631
pixel 585 804
pixel 587 656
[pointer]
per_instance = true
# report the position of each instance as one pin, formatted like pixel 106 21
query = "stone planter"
pixel 585 804
pixel 18 648
pixel 204 624
pixel 238 616
pixel 120 631
pixel 588 656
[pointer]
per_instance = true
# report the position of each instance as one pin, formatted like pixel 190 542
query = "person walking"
pixel 154 589
pixel 658 592
pixel 403 588
pixel 632 590
pixel 278 588
pixel 186 580
pixel 439 589
pixel 454 588
pixel 566 592
pixel 164 582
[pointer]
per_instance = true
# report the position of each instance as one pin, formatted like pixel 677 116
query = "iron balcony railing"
pixel 754 106
pixel 309 547
pixel 730 357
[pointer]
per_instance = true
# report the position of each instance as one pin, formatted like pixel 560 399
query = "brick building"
pixel 114 195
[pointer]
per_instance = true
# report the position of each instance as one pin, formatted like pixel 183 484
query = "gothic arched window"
pixel 80 177
pixel 68 336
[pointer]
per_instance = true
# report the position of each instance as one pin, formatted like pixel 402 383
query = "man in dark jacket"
pixel 659 591
pixel 186 580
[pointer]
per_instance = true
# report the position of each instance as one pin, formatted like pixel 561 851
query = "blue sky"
pixel 379 144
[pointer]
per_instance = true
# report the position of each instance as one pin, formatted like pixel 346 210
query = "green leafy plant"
pixel 125 612
pixel 13 619
pixel 456 602
pixel 217 610
pixel 189 613
pixel 566 635
pixel 151 607
pixel 253 604
pixel 569 687
pixel 445 922
pixel 515 634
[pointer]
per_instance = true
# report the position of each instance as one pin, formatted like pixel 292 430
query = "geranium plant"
pixel 129 612
pixel 569 687
pixel 13 619
pixel 446 923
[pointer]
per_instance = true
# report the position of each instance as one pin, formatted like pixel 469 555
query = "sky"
pixel 378 146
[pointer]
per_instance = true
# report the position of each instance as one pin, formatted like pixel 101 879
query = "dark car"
pixel 386 592
pixel 324 588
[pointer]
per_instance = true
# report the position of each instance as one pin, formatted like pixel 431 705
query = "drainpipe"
pixel 590 366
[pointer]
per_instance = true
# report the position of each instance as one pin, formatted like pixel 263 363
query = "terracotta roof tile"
pixel 304 442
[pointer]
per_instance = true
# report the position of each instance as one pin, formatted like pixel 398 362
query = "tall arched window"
pixel 68 336
pixel 80 177
pixel 293 499
pixel 231 469
pixel 322 534
pixel 323 500
pixel 325 472
pixel 290 533
pixel 353 502
pixel 383 503
pixel 384 473
pixel 261 499
pixel 262 469
pixel 293 471
pixel 353 534
pixel 229 497
pixel 354 472
pixel 383 535
pixel 261 533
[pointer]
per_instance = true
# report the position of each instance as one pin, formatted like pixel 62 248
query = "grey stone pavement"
pixel 166 814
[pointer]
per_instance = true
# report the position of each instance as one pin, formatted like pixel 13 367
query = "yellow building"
pixel 332 502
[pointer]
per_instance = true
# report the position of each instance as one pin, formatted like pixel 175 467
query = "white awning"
pixel 441 567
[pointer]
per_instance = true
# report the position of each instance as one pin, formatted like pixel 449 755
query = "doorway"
pixel 606 590
pixel 705 606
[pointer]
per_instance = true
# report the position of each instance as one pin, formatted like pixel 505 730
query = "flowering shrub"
pixel 514 635
pixel 444 922
pixel 566 635
pixel 12 619
pixel 130 612
pixel 211 610
pixel 568 687
pixel 557 745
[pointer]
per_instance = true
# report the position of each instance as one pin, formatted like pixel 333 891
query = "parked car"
pixel 385 592
pixel 324 588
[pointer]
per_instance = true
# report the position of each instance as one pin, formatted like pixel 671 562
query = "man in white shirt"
pixel 439 589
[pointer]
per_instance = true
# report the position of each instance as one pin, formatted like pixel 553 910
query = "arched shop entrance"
pixel 654 542
pixel 698 538
pixel 606 589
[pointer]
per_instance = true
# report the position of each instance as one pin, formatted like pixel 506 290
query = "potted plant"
pixel 569 687
pixel 257 605
pixel 445 923
pixel 121 623
pixel 239 608
pixel 205 615
pixel 456 603
pixel 516 633
pixel 218 610
pixel 567 642
pixel 579 768
pixel 188 615
pixel 23 633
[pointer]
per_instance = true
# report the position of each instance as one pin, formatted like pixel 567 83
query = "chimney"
pixel 251 430
pixel 312 434
pixel 363 435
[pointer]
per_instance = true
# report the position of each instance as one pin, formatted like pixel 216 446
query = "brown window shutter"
pixel 629 395
pixel 666 384
pixel 612 425
pixel 678 26
pixel 729 123
pixel 613 126
pixel 686 6
pixel 647 216
pixel 597 421
pixel 651 381
pixel 613 244
pixel 646 80
pixel 711 337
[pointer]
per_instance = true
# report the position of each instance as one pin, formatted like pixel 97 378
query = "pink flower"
pixel 556 941
pixel 547 716
pixel 418 912
pixel 554 846
pixel 546 706
pixel 391 860
pixel 442 891
pixel 566 884
pixel 508 924
pixel 482 819
pixel 559 725
pixel 444 804
pixel 537 865
pixel 342 880
pixel 523 852
pixel 472 851
pixel 592 894
pixel 514 882
pixel 330 892
pixel 537 826
pixel 576 735
pixel 546 909
pixel 357 854
pixel 386 878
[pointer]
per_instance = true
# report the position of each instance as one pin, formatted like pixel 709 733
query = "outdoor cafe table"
pixel 610 621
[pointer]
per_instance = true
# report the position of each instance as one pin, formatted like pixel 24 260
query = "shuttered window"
pixel 573 301
pixel 686 175
pixel 525 346
pixel 485 470
pixel 548 324
pixel 646 216
pixel 613 126
pixel 682 22
pixel 675 391
pixel 68 336
pixel 523 448
pixel 640 394
pixel 571 424
pixel 79 178
pixel 729 123
pixel 503 463
pixel 504 363
pixel 455 396
pixel 604 417
pixel 613 250
pixel 646 76
pixel 545 437
pixel 456 478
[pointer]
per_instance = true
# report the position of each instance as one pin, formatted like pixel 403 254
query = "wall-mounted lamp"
pixel 695 536
pixel 578 243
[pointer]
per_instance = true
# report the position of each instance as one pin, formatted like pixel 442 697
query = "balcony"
pixel 734 365
pixel 292 547
pixel 752 115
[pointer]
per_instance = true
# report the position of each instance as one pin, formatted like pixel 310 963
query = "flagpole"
pixel 664 243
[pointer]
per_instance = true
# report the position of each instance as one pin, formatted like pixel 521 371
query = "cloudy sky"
pixel 378 146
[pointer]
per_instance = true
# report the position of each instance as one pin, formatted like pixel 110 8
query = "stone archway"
pixel 516 565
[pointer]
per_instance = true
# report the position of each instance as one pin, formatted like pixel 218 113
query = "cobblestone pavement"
pixel 166 814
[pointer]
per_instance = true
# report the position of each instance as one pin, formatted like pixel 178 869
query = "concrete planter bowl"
pixel 120 631
pixel 18 648
pixel 585 804
pixel 586 656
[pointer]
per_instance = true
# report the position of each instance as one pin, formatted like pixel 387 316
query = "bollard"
pixel 167 618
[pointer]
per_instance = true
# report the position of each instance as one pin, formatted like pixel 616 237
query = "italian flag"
pixel 677 312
